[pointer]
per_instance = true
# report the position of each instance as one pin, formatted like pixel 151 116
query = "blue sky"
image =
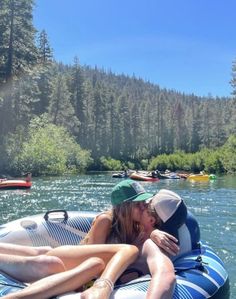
pixel 185 45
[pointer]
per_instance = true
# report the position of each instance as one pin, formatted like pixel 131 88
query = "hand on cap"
pixel 165 241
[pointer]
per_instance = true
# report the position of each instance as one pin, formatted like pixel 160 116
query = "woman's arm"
pixel 100 230
pixel 162 271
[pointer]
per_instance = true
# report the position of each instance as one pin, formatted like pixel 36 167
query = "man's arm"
pixel 162 271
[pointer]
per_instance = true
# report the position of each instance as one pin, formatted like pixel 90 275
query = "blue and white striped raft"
pixel 200 274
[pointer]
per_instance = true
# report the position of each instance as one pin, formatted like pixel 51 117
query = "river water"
pixel 213 203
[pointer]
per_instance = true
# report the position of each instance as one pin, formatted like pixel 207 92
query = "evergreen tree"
pixel 194 127
pixel 60 109
pixel 218 125
pixel 112 123
pixel 46 71
pixel 18 56
pixel 76 87
pixel 45 52
pixel 205 134
pixel 100 127
pixel 88 125
pixel 125 126
pixel 17 49
pixel 233 80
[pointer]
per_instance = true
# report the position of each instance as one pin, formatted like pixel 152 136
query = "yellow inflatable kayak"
pixel 201 177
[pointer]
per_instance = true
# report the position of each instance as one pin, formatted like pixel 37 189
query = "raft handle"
pixel 65 214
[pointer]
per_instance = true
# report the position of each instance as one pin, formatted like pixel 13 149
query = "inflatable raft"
pixel 120 175
pixel 200 273
pixel 143 177
pixel 201 177
pixel 14 184
pixel 171 175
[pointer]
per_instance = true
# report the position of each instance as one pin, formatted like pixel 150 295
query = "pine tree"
pixel 233 81
pixel 88 124
pixel 46 71
pixel 76 88
pixel 17 49
pixel 18 57
pixel 60 108
pixel 100 102
pixel 45 52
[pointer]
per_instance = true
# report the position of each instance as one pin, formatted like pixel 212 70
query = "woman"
pixel 69 260
pixel 121 225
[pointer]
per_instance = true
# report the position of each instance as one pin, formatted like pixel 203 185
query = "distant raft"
pixel 200 273
pixel 201 177
pixel 170 175
pixel 14 184
pixel 143 177
pixel 120 175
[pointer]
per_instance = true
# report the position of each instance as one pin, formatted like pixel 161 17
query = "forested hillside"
pixel 107 114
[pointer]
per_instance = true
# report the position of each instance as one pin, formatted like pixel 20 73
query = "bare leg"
pixel 28 269
pixel 72 256
pixel 116 258
pixel 114 268
pixel 60 283
pixel 12 249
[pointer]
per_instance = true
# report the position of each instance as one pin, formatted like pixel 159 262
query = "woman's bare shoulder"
pixel 104 217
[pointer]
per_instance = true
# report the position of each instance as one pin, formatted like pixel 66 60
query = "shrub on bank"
pixel 48 150
pixel 220 160
pixel 110 164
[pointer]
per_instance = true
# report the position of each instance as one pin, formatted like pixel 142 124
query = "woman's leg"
pixel 102 289
pixel 13 249
pixel 116 259
pixel 32 268
pixel 72 256
pixel 60 283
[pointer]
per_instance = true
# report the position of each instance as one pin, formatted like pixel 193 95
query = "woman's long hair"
pixel 124 229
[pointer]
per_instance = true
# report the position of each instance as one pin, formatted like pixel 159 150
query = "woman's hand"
pixel 165 241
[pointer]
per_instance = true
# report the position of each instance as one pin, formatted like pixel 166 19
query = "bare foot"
pixel 96 292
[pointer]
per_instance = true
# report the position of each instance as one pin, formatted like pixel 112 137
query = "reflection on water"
pixel 214 204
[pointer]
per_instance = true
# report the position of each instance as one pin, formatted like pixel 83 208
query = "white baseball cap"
pixel 165 203
pixel 171 209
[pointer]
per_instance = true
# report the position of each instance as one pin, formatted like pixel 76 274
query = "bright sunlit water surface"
pixel 213 203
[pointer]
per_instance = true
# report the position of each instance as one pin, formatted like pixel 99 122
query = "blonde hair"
pixel 123 228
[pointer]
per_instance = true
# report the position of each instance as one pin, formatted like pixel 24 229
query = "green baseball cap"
pixel 128 190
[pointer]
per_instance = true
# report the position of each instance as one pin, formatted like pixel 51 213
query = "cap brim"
pixel 143 197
